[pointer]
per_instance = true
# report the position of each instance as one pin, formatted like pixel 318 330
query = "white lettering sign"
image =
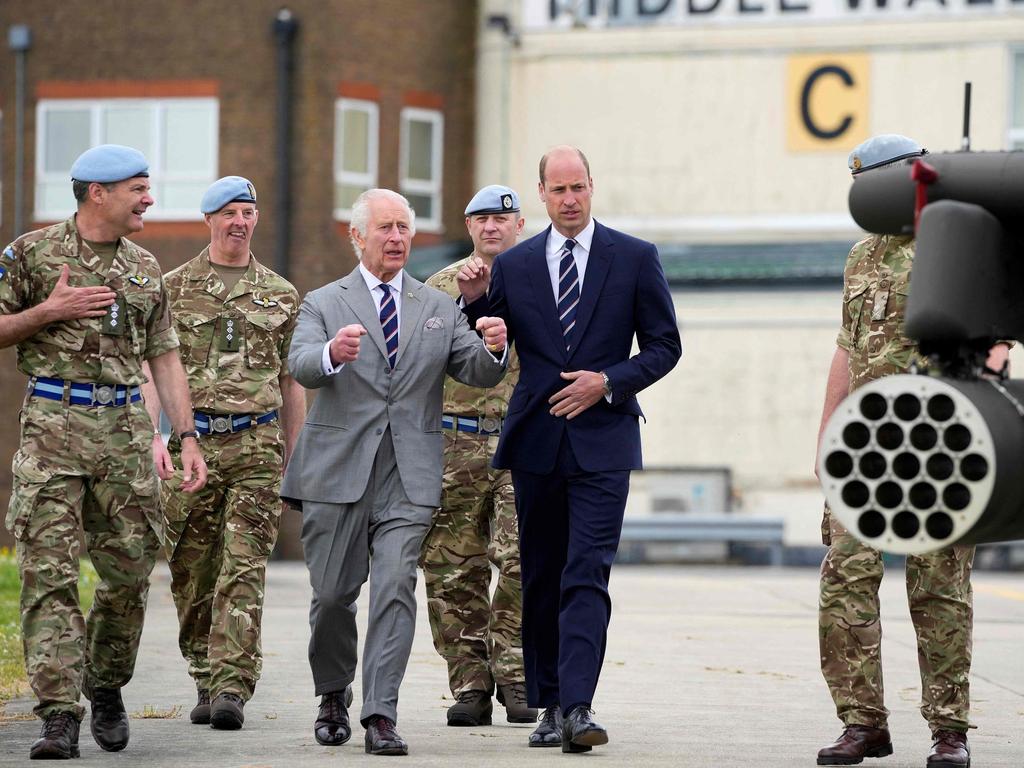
pixel 546 14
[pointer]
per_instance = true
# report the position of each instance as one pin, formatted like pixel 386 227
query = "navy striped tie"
pixel 568 291
pixel 389 322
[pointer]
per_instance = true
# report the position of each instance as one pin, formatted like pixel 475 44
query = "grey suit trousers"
pixel 378 537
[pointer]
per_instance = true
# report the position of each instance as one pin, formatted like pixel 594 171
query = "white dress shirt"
pixel 556 241
pixel 373 283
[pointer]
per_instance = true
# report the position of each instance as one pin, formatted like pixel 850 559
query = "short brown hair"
pixel 544 162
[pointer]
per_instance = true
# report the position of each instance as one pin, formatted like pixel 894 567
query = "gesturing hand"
pixel 473 279
pixel 66 302
pixel 345 344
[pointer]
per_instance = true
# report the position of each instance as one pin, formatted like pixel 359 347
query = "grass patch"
pixel 149 712
pixel 12 667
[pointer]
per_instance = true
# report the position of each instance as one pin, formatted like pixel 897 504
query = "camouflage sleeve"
pixel 287 331
pixel 15 285
pixel 845 338
pixel 160 334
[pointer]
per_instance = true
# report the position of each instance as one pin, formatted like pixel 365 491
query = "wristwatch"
pixel 607 383
pixel 189 433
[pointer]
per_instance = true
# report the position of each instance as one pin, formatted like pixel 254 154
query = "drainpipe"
pixel 285 28
pixel 19 40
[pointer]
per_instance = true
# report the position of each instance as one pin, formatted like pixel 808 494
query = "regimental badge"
pixel 9 253
pixel 265 303
pixel 857 163
pixel 252 191
pixel 139 280
pixel 506 202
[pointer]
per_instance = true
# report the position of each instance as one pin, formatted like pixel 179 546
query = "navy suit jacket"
pixel 624 294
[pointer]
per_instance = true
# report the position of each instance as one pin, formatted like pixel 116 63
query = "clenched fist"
pixel 493 331
pixel 345 344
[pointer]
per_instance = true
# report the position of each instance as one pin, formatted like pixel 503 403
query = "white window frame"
pixel 368 179
pixel 96 109
pixel 419 186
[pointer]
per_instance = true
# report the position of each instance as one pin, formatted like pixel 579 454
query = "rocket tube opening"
pixel 906 466
pixel 839 464
pixel 856 435
pixel 889 494
pixel 890 436
pixel 907 407
pixel 939 466
pixel 923 437
pixel 906 525
pixel 873 465
pixel 939 525
pixel 941 407
pixel 871 524
pixel 873 406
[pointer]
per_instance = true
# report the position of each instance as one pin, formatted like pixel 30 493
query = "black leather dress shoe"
pixel 856 743
pixel 549 732
pixel 332 727
pixel 109 721
pixel 383 739
pixel 579 731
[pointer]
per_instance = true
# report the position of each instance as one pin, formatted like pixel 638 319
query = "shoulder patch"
pixel 3 273
pixel 9 253
pixel 139 280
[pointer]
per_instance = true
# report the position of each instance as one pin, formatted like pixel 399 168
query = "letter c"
pixel 805 102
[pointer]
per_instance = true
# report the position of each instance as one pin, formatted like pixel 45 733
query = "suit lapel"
pixel 598 263
pixel 540 282
pixel 412 310
pixel 357 297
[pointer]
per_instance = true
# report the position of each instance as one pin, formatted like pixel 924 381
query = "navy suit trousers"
pixel 569 526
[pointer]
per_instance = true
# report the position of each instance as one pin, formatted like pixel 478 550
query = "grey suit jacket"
pixel 335 451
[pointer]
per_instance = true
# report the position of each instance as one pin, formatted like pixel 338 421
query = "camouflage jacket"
pixel 462 399
pixel 876 282
pixel 234 345
pixel 78 350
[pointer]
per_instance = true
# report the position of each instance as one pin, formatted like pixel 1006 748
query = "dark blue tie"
pixel 389 323
pixel 568 291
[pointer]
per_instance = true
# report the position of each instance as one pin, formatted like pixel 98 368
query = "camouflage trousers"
pixel 850 633
pixel 480 637
pixel 218 544
pixel 89 467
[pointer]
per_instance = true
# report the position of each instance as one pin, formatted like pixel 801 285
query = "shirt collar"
pixel 584 239
pixel 372 281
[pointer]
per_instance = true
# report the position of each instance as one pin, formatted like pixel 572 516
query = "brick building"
pixel 382 94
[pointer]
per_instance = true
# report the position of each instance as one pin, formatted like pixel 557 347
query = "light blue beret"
pixel 230 189
pixel 882 150
pixel 108 163
pixel 493 198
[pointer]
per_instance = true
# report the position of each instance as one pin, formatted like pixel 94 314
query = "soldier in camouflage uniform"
pixel 86 307
pixel 235 319
pixel 478 636
pixel 871 344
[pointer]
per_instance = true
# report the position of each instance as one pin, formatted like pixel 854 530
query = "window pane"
pixel 131 126
pixel 345 194
pixel 179 195
pixel 188 145
pixel 354 142
pixel 421 137
pixel 55 197
pixel 1018 90
pixel 422 204
pixel 66 137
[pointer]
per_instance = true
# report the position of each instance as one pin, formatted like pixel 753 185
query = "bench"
pixel 681 528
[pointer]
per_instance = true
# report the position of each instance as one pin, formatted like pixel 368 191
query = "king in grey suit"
pixel 366 470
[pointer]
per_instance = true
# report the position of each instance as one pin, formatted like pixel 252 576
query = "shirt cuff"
pixel 325 361
pixel 499 360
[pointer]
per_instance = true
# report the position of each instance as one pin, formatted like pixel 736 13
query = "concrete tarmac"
pixel 705 666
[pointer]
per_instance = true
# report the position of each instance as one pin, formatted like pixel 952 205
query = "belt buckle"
pixel 220 424
pixel 489 424
pixel 104 395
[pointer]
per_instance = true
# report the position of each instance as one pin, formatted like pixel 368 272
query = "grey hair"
pixel 361 213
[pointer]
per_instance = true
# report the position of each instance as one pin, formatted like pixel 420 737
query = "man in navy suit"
pixel 573 299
